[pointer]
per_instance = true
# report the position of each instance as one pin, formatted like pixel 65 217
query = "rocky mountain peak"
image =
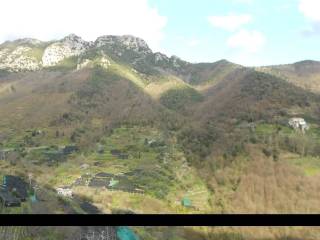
pixel 73 39
pixel 71 45
pixel 129 42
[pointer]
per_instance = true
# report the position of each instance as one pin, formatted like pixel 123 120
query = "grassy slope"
pixel 304 74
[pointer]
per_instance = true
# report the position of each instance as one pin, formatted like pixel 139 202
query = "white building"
pixel 298 123
pixel 66 192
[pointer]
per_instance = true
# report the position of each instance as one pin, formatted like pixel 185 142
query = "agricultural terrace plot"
pixel 154 166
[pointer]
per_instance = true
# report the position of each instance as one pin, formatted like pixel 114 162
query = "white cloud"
pixel 46 19
pixel 248 41
pixel 193 42
pixel 312 30
pixel 230 22
pixel 310 9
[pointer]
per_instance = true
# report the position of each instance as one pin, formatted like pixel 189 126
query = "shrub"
pixel 267 152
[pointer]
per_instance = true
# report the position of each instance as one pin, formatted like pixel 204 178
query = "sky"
pixel 247 32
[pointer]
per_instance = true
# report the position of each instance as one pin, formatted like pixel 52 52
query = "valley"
pixel 118 128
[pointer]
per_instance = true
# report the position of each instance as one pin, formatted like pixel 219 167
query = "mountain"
pixel 304 74
pixel 161 128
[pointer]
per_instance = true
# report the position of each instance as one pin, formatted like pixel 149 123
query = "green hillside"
pixel 161 130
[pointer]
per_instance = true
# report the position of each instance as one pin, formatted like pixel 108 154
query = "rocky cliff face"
pixel 32 55
pixel 18 60
pixel 20 55
pixel 127 42
pixel 71 45
pixel 160 58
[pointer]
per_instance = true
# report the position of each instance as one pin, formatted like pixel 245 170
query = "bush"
pixel 267 152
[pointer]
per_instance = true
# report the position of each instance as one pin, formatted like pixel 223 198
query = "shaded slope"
pixel 112 97
pixel 255 96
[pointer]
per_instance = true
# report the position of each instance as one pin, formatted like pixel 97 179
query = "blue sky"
pixel 281 24
pixel 247 32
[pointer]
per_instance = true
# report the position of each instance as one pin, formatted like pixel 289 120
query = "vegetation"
pixel 261 85
pixel 204 73
pixel 215 133
pixel 66 64
pixel 304 74
pixel 36 52
pixel 178 99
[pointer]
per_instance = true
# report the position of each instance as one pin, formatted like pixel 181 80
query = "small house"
pixel 298 123
pixel 186 202
pixel 65 192
pixel 16 186
pixel 97 233
pixel 125 233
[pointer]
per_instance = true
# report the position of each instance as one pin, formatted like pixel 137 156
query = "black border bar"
pixel 161 220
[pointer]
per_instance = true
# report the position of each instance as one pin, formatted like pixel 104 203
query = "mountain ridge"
pixel 73 45
pixel 127 40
